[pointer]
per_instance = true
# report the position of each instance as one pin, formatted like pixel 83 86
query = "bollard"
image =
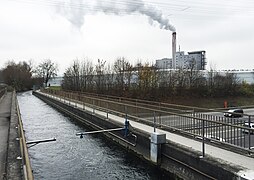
pixel 157 139
pixel 225 104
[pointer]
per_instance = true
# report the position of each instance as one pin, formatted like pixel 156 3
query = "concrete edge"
pixel 14 165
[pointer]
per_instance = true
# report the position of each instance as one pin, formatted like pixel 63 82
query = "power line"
pixel 176 7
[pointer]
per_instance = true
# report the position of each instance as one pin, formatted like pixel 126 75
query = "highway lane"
pixel 221 132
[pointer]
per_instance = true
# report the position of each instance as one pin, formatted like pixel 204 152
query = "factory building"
pixel 195 60
pixel 192 60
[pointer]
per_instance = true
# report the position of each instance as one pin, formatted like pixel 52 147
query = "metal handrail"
pixel 3 91
pixel 150 109
pixel 148 101
pixel 211 122
pixel 27 169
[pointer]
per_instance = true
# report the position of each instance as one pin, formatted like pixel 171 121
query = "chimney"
pixel 174 50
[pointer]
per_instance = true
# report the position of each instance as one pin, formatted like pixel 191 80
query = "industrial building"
pixel 194 60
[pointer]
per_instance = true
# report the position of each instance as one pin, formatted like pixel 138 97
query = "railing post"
pixel 125 109
pixel 107 110
pixel 194 121
pixel 160 120
pixel 249 133
pixel 154 122
pixel 203 138
pixel 64 97
pixel 93 107
pixel 136 108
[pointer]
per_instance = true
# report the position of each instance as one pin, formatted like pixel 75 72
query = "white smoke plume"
pixel 76 10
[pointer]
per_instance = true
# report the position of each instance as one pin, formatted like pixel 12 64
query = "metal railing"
pixel 146 103
pixel 27 169
pixel 3 91
pixel 206 126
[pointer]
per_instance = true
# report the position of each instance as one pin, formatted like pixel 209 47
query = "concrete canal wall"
pixel 11 158
pixel 178 160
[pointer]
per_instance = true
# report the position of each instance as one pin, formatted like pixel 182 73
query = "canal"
pixel 69 157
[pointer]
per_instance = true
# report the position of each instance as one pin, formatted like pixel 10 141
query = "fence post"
pixel 93 107
pixel 107 109
pixel 249 133
pixel 154 122
pixel 194 121
pixel 203 138
pixel 64 97
pixel 136 108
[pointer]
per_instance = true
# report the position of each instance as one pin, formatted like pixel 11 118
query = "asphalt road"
pixel 212 130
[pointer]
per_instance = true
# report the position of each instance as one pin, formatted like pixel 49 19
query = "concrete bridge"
pixel 197 145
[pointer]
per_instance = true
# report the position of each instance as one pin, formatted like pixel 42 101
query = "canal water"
pixel 70 157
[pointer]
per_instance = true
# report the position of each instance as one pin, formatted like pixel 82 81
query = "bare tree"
pixel 1 76
pixel 123 70
pixel 47 70
pixel 100 72
pixel 89 75
pixel 109 79
pixel 194 76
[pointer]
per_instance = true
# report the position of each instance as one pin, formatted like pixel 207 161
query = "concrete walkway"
pixel 218 154
pixel 5 113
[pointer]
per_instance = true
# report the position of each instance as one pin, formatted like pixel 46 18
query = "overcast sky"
pixel 107 29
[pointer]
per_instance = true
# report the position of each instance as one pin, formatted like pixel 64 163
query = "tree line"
pixel 23 75
pixel 145 81
pixel 122 78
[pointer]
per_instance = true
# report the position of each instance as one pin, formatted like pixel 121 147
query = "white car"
pixel 234 113
pixel 247 125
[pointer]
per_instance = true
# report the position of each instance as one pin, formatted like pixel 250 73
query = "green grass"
pixel 213 102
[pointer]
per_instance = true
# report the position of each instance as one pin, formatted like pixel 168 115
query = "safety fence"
pixel 27 169
pixel 203 124
pixel 3 91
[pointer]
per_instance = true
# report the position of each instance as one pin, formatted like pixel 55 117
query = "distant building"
pixel 165 63
pixel 196 60
pixel 56 81
pixel 243 75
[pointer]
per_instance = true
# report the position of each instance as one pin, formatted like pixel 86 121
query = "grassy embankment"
pixel 207 102
pixel 210 102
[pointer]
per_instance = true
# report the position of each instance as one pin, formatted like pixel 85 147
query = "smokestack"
pixel 174 50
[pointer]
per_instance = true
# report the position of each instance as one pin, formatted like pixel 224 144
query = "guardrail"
pixel 3 91
pixel 27 169
pixel 155 104
pixel 205 126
